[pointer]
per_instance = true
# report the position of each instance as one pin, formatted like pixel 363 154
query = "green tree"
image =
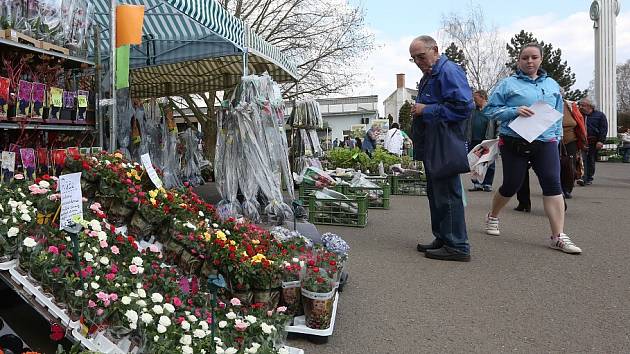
pixel 552 63
pixel 404 117
pixel 456 55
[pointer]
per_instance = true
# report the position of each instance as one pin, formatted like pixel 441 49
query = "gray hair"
pixel 588 101
pixel 427 40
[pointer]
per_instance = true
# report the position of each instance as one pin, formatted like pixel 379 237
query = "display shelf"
pixel 70 61
pixel 44 126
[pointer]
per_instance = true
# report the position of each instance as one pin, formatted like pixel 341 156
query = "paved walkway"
pixel 516 295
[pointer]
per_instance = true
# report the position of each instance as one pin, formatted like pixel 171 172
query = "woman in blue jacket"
pixel 512 98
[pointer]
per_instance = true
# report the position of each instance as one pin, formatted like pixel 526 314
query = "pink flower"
pixel 102 296
pixel 241 326
pixel 55 270
pixel 113 296
pixel 115 250
pixel 54 197
pixel 177 302
pixel 235 302
pixel 133 269
pixel 281 309
pixel 91 304
pixel 93 233
pixel 180 319
pixel 154 249
pixel 84 199
pixel 114 268
pixel 135 199
pixel 18 176
pixel 53 250
pixel 269 313
pixel 221 304
pixel 99 312
pixel 110 276
pixel 96 207
pixel 103 244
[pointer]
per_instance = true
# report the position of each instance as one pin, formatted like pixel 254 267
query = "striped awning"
pixel 192 46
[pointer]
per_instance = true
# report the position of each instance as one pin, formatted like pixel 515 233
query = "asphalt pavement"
pixel 516 295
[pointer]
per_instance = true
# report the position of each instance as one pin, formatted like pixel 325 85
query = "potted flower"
pixel 291 284
pixel 318 294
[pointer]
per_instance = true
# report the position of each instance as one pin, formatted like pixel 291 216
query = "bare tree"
pixel 623 87
pixel 324 37
pixel 483 48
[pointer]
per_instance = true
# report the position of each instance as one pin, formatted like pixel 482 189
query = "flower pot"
pixel 165 232
pixel 318 308
pixel 173 251
pixel 106 201
pixel 139 226
pixel 189 263
pixel 208 269
pixel 119 214
pixel 246 296
pixel 291 297
pixel 88 188
pixel 269 297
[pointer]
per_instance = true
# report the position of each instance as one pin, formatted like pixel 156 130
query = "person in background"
pixel 335 143
pixel 596 131
pixel 511 99
pixel 480 127
pixel 625 144
pixel 369 140
pixel 394 140
pixel 357 142
pixel 574 142
pixel 443 96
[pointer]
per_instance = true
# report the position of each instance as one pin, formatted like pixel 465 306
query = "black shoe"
pixel 524 207
pixel 588 183
pixel 567 195
pixel 446 254
pixel 431 246
pixel 487 188
pixel 475 189
pixel 580 182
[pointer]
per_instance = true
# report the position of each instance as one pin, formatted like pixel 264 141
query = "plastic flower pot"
pixel 139 226
pixel 291 297
pixel 318 308
pixel 119 214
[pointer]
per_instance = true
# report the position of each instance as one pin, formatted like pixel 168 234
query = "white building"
pixel 394 102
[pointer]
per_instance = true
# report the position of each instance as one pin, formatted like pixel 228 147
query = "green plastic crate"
pixel 378 198
pixel 408 186
pixel 304 191
pixel 342 212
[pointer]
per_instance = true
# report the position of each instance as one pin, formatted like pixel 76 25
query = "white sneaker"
pixel 492 225
pixel 564 244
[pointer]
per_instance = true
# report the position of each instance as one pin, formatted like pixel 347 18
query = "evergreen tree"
pixel 552 63
pixel 456 55
pixel 404 117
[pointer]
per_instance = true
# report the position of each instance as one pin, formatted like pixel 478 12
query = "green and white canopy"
pixel 192 46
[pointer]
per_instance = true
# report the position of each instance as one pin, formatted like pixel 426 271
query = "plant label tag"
pixel 71 198
pixel 146 162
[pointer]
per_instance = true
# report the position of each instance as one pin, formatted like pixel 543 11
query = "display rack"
pixel 70 61
pixel 44 126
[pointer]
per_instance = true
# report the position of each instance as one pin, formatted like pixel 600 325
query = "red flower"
pixel 333 263
pixel 46 177
pixel 311 262
pixel 320 280
pixel 316 269
pixel 57 332
pixel 86 166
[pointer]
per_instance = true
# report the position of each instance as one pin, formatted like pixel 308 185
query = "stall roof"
pixel 192 46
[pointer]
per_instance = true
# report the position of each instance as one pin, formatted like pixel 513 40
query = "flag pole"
pixel 112 48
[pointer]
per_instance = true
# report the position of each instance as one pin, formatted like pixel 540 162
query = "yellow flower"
pixel 207 236
pixel 153 193
pixel 152 200
pixel 137 177
pixel 244 254
pixel 232 242
pixel 118 155
pixel 258 258
pixel 221 235
pixel 255 242
pixel 128 174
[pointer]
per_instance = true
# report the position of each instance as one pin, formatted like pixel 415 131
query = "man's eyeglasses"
pixel 420 56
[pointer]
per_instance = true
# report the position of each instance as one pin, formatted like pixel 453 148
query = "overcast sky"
pixel 563 23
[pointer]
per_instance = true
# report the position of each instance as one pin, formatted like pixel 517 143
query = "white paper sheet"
pixel 71 198
pixel 529 128
pixel 146 162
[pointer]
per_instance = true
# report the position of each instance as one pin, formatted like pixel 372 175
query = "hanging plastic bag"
pixel 481 156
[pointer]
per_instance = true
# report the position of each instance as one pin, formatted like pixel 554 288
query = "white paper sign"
pixel 71 198
pixel 529 128
pixel 146 162
pixel 8 161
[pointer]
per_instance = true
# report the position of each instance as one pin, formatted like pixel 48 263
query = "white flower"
pixel 156 338
pixel 126 300
pixel 230 315
pixel 142 293
pixel 165 321
pixel 137 261
pixel 267 328
pixel 222 324
pixel 251 319
pixel 146 318
pixel 185 325
pixel 141 303
pixel 104 260
pixel 201 213
pixel 204 325
pixel 219 350
pixel 88 256
pixel 139 286
pixel 185 339
pixel 132 316
pixel 283 350
pixel 231 350
pixel 155 297
pixel 13 231
pixel 95 225
pixel 4 221
pixel 94 285
pixel 187 350
pixel 133 325
pixel 199 333
pixel 161 329
pixel 158 309
pixel 227 232
pixel 78 293
pixel 97 278
pixel 44 184
pixel 295 259
pixel 29 242
pixel 168 307
pixel 192 318
pixel 190 226
pixel 26 217
pixel 102 235
pixel 215 225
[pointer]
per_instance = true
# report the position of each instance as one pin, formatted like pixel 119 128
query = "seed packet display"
pixel 38 98
pixel 42 161
pixel 84 151
pixel 4 97
pixel 73 151
pixel 82 103
pixel 69 105
pixel 23 108
pixel 8 166
pixel 59 161
pixel 96 150
pixel 28 162
pixel 55 102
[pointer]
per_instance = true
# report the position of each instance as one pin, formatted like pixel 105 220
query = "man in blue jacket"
pixel 596 131
pixel 443 94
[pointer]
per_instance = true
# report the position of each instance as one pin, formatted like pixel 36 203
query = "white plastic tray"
pixel 299 324
pixel 8 265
